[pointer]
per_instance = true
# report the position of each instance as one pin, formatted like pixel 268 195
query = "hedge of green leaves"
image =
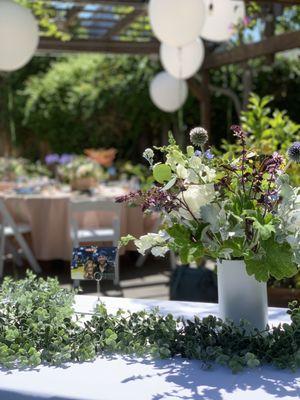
pixel 37 325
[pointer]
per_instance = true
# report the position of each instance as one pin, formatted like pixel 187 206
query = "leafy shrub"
pixel 269 131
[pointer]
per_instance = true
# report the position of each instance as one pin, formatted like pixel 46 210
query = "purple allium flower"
pixel 198 136
pixel 51 159
pixel 208 154
pixel 294 152
pixel 198 153
pixel 65 158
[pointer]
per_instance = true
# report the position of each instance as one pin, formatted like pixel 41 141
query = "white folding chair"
pixel 8 230
pixel 108 234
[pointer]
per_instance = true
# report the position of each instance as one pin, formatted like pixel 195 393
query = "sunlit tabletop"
pixel 115 377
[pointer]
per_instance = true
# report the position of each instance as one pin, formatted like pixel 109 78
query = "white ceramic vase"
pixel 241 296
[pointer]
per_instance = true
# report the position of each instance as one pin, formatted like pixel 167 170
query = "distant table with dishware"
pixel 47 212
pixel 113 377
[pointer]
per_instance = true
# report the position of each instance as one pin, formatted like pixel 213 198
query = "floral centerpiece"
pixel 54 160
pixel 12 169
pixel 81 173
pixel 242 212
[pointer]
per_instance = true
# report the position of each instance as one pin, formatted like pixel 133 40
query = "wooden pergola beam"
pixel 272 45
pixel 123 23
pixel 284 2
pixel 124 3
pixel 285 41
pixel 54 46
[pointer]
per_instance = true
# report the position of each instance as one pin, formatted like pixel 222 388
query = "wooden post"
pixel 205 105
pixel 247 84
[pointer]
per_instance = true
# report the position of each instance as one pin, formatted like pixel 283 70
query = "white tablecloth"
pixel 129 378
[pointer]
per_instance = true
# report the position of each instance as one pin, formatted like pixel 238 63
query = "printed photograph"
pixel 92 263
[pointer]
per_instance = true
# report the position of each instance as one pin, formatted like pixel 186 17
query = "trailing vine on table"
pixel 38 326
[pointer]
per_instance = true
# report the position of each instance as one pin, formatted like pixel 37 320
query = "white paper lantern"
pixel 168 93
pixel 220 17
pixel 176 22
pixel 182 62
pixel 19 35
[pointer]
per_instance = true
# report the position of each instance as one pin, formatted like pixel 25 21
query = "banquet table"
pixel 114 377
pixel 48 216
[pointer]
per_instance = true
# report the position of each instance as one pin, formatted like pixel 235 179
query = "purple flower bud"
pixel 65 158
pixel 238 132
pixel 198 136
pixel 294 152
pixel 198 153
pixel 209 155
pixel 51 159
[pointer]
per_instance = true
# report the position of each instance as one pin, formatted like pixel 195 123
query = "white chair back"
pixel 8 221
pixel 83 205
pixel 6 218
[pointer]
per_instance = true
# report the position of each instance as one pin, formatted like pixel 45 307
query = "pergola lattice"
pixel 122 27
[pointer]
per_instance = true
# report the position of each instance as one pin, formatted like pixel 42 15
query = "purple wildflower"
pixel 65 158
pixel 198 153
pixel 208 154
pixel 51 159
pixel 294 152
pixel 238 132
pixel 153 199
pixel 273 163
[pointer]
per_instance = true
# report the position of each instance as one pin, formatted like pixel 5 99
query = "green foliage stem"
pixel 37 326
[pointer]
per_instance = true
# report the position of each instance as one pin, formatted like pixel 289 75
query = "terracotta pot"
pixel 83 183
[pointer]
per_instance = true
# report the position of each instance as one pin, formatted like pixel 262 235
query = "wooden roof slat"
pixel 271 45
pixel 124 3
pixel 284 2
pixel 137 29
pixel 123 23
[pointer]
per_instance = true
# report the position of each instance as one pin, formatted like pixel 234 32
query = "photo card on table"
pixel 93 263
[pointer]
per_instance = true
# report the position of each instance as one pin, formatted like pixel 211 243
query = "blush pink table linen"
pixel 48 217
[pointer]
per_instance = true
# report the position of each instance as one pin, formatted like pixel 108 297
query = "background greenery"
pixel 68 104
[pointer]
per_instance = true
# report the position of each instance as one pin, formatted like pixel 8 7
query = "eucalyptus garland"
pixel 38 326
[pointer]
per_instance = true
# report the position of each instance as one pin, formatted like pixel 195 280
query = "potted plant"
pixel 81 173
pixel 241 212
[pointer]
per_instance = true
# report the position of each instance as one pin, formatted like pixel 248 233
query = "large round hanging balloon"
pixel 19 35
pixel 182 62
pixel 220 18
pixel 168 93
pixel 176 22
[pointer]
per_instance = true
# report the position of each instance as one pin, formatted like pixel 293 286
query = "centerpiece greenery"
pixel 12 168
pixel 240 209
pixel 81 173
pixel 38 326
